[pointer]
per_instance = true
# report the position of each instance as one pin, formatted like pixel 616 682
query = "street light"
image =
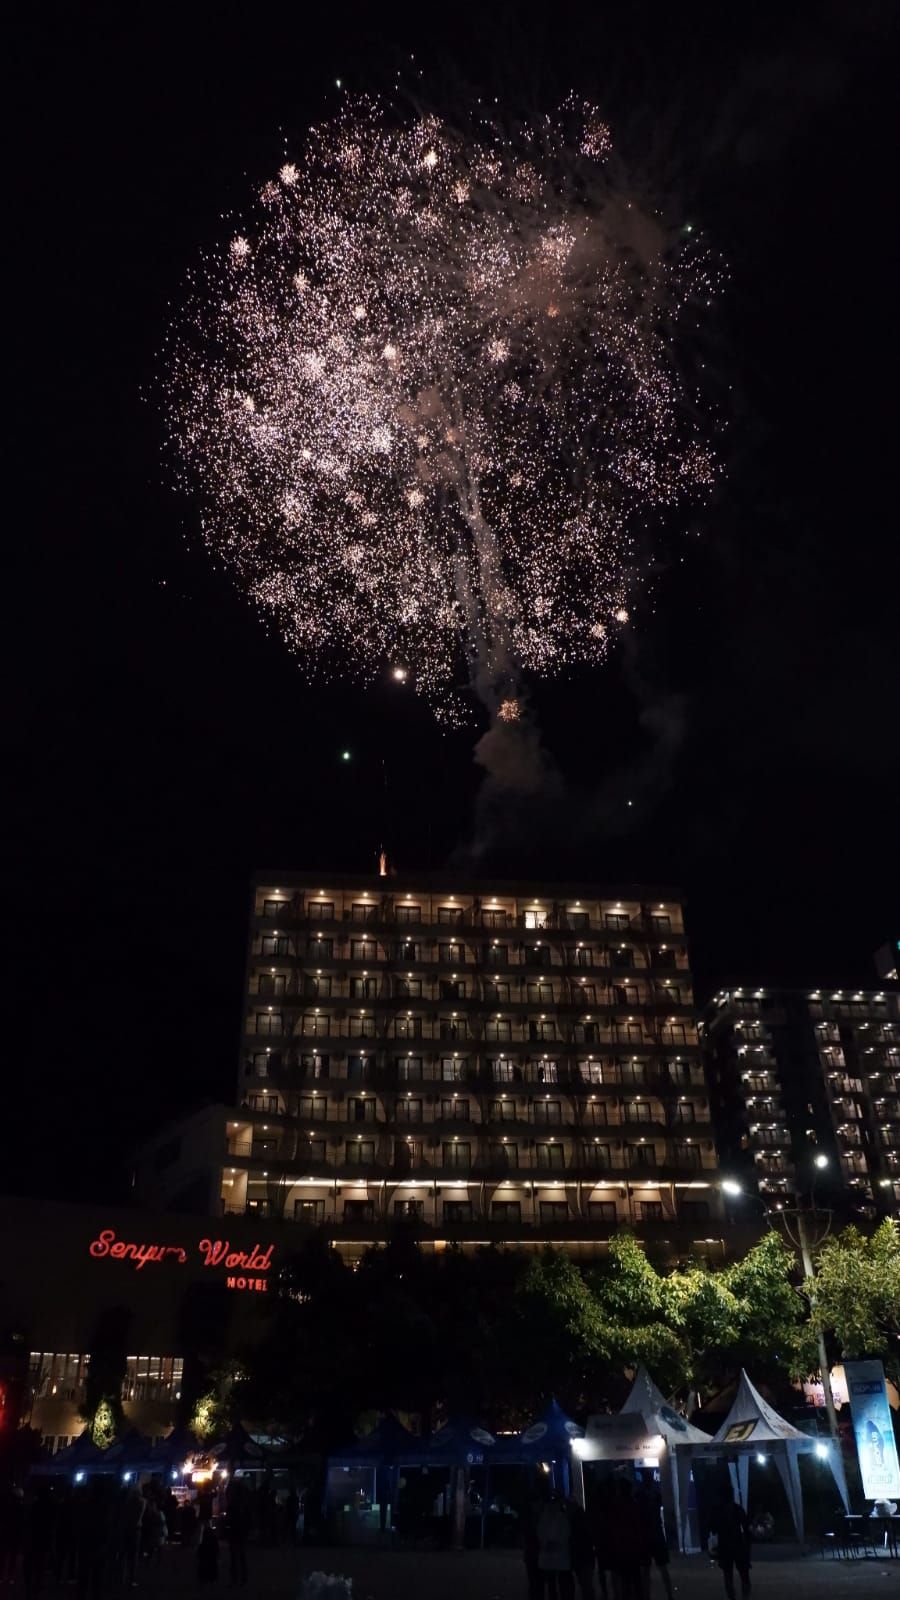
pixel 820 1161
pixel 729 1186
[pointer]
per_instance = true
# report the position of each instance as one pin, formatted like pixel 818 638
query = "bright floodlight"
pixel 729 1186
pixel 821 1161
pixel 822 1452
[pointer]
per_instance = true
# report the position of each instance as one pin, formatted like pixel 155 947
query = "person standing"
pixel 731 1526
pixel 655 1548
pixel 554 1534
pixel 237 1523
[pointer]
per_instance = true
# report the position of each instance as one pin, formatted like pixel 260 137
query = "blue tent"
pixel 548 1439
pixel 388 1445
pixel 460 1443
pixel 171 1453
pixel 82 1455
pixel 132 1453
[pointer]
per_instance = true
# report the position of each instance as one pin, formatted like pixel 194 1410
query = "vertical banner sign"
pixel 873 1429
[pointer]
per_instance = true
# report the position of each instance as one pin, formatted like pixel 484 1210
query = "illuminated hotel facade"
pixel 800 1073
pixel 488 1063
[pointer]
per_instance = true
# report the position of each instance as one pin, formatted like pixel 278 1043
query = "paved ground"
pixel 499 1575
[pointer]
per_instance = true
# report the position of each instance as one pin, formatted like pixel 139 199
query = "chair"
pixel 829 1541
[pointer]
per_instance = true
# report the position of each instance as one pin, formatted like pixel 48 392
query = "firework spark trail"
pixel 427 398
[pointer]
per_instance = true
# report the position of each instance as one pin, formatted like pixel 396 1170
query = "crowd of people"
pixel 102 1534
pixel 613 1546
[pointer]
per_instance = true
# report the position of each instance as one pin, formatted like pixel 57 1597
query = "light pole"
pixel 803 1215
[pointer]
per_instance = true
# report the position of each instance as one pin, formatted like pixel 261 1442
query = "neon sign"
pixel 242 1267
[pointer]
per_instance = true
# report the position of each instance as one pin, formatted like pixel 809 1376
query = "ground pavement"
pixel 780 1574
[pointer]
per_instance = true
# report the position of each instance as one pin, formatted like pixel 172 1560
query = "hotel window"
pixel 320 949
pixel 452 989
pixel 592 1072
pixel 358 1067
pixel 694 1210
pixel 409 1069
pixel 601 1210
pixel 456 1153
pixel 498 1028
pixel 597 1116
pixel 316 988
pixel 686 1155
pixel 503 1111
pixel 363 988
pixel 269 1022
pixel 409 1111
pixel 640 1155
pixel 313 1151
pixel 583 957
pixel 585 1032
pixel 548 1112
pixel 257 1206
pixel 363 911
pixel 544 1072
pixel 314 1065
pixel 363 950
pixel 321 910
pixel 628 1033
pixel 359 1152
pixel 450 914
pixel 622 958
pixel 496 993
pixel 550 1157
pixel 675 1033
pixel 650 1210
pixel 407 1028
pixel 271 983
pixel 454 952
pixel 626 994
pixel 493 919
pixel 542 1030
pixel 504 1154
pixel 457 1211
pixel 686 1111
pixel 408 988
pixel 554 1211
pixel 576 920
pixel 536 955
pixel 664 957
pixel 597 1155
pixel 359 1211
pixel 632 1072
pixel 661 922
pixel 540 993
pixel 361 1109
pixel 311 1211
pixel 275 944
pixel 452 1028
pixel 314 1025
pixel 264 1102
pixel 274 908
pixel 637 1111
pixel 361 1025
pixel 453 1106
pixel 408 1152
pixel 615 919
pixel 311 1108
pixel 407 950
pixel 258 1064
pixel 586 993
pixel 506 1211
pixel 495 955
pixel 413 1210
pixel 537 919
pixel 504 1071
pixel 409 913
pixel 453 1070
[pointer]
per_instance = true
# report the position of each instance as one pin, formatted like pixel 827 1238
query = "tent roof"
pixel 173 1450
pixel 551 1433
pixel 752 1421
pixel 459 1441
pixel 389 1443
pixel 652 1404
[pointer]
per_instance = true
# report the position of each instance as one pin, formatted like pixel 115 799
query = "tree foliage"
pixel 855 1295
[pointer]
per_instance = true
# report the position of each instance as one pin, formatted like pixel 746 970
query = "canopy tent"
pixel 239 1450
pixel 133 1453
pixel 82 1455
pixel 172 1452
pixel 460 1443
pixel 649 1432
pixel 753 1427
pixel 547 1440
pixel 382 1452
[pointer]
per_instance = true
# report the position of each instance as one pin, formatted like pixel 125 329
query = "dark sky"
pixel 164 746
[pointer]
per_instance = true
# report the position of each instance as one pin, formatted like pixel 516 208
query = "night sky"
pixel 164 745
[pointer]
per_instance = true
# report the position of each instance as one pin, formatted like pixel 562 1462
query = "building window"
pixel 269 1022
pixel 358 1067
pixel 312 1151
pixel 409 1111
pixel 359 1152
pixel 271 983
pixel 409 1069
pixel 314 1065
pixel 506 1211
pixel 452 1028
pixel 363 988
pixel 548 1111
pixel 550 1157
pixel 450 914
pixel 585 1033
pixel 265 1102
pixel 540 993
pixel 686 1111
pixel 409 951
pixel 581 956
pixel 601 1210
pixel 493 919
pixel 686 1155
pixel 258 1064
pixel 626 994
pixel 495 955
pixel 359 1211
pixel 661 922
pixel 454 1107
pixel 361 1025
pixel 545 1072
pixel 409 913
pixel 537 919
pixel 554 1211
pixel 503 1111
pixel 457 1211
pixel 576 920
pixel 504 1154
pixel 364 911
pixel 320 949
pixel 408 1151
pixel 321 910
pixel 310 1211
pixel 363 950
pixel 650 1210
pixel 694 1210
pixel 456 1153
pixel 314 1025
pixel 316 988
pixel 361 1109
pixel 597 1116
pixel 496 993
pixel 406 1028
pixel 454 953
pixel 637 1111
pixel 452 1069
pixel 275 944
pixel 274 908
pixel 503 1070
pixel 310 1108
pixel 615 919
pixel 452 989
pixel 408 988
pixel 641 1155
pixel 498 1028
pixel 586 993
pixel 413 1210
pixel 592 1072
pixel 542 1031
pixel 536 955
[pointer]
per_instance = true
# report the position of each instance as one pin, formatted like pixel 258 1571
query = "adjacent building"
pixel 796 1074
pixel 486 1062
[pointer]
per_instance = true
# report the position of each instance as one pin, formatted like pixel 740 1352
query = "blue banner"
pixel 873 1429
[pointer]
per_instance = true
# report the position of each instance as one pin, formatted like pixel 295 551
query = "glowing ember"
pixel 509 711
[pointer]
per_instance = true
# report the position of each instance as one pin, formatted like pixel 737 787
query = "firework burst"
pixel 426 394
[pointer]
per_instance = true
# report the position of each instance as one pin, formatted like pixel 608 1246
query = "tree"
pixel 102 1408
pixel 856 1294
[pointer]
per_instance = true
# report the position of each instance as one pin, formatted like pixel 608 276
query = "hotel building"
pixel 800 1073
pixel 494 1062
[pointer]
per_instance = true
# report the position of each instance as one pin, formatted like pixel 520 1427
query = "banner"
pixel 873 1429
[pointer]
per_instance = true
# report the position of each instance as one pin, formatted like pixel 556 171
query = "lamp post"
pixel 803 1215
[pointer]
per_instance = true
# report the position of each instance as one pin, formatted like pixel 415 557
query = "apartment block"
pixel 800 1074
pixel 490 1062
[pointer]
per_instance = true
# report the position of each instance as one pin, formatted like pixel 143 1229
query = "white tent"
pixel 648 1431
pixel 752 1427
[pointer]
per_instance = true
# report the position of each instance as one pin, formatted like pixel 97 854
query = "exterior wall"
pixel 793 1072
pixel 492 1062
